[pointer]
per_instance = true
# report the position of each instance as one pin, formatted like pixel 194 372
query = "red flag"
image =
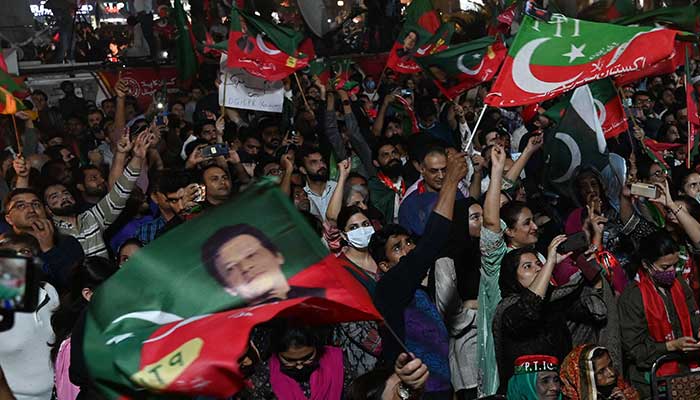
pixel 666 66
pixel 3 64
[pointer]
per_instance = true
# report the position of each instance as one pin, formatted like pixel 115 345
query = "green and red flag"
pixel 422 34
pixel 578 140
pixel 547 59
pixel 176 318
pixel 463 66
pixel 9 104
pixel 266 50
pixel 408 116
pixel 666 66
pixel 321 68
pixel 13 84
pixel 3 64
pixel 692 102
pixel 342 73
pixel 608 106
pixel 655 151
pixel 684 17
pixel 186 59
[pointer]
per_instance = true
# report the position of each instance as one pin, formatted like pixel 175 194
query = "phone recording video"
pixel 215 150
pixel 18 286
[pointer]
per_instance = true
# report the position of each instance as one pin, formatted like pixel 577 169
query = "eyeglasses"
pixel 660 173
pixel 305 360
pixel 21 205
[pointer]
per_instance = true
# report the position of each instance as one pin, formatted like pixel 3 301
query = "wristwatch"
pixel 404 392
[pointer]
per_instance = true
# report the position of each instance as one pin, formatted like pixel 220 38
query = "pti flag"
pixel 611 114
pixel 266 50
pixel 576 141
pixel 550 58
pixel 464 66
pixel 176 318
pixel 666 66
pixel 186 60
pixel 681 17
pixel 422 34
pixel 13 84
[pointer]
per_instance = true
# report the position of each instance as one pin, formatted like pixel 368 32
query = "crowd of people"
pixel 464 249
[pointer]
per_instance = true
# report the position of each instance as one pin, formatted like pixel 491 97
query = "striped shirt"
pixel 93 222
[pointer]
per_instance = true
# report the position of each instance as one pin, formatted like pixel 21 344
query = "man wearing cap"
pixel 536 377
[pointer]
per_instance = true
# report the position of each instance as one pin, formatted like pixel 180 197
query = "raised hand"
pixel 121 88
pixel 344 168
pixel 125 145
pixel 552 253
pixel 141 144
pixel 43 230
pixel 456 167
pixel 498 158
pixel 412 372
pixel 20 166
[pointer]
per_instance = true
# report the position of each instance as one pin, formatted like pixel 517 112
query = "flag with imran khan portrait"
pixel 611 114
pixel 576 141
pixel 547 59
pixel 463 66
pixel 264 49
pixel 177 316
pixel 423 33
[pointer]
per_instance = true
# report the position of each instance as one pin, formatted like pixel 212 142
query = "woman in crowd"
pixel 588 373
pixel 533 315
pixel 658 315
pixel 127 250
pixel 456 290
pixel 536 378
pixel 85 279
pixel 360 340
pixel 301 367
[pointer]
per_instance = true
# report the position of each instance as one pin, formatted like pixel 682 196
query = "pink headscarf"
pixel 326 381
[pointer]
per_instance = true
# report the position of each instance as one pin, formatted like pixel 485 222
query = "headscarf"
pixel 578 375
pixel 523 385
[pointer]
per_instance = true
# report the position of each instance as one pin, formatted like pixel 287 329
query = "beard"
pixel 99 192
pixel 321 175
pixel 65 211
pixel 392 169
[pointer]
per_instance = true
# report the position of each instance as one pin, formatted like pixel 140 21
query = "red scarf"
pixel 326 381
pixel 388 183
pixel 657 317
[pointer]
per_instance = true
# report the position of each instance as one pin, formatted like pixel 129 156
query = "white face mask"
pixel 359 237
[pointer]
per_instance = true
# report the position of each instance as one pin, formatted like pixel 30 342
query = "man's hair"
pixel 40 93
pixel 96 111
pixel 387 121
pixel 11 238
pixel 167 181
pixel 377 245
pixel 434 149
pixel 305 152
pixel 49 167
pixel 16 192
pixel 207 168
pixel 85 168
pixel 213 244
pixel 102 103
pixel 425 107
pixel 200 125
pixel 381 143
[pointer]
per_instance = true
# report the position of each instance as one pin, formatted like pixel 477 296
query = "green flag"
pixel 576 141
pixel 180 311
pixel 186 60
pixel 685 18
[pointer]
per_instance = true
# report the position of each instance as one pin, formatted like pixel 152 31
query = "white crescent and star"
pixel 575 52
pixel 263 47
pixel 522 74
pixel 466 70
pixel 575 151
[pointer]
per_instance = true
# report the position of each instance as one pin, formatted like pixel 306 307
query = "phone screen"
pixel 13 283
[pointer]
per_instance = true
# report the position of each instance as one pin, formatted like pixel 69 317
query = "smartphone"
pixel 215 150
pixel 406 92
pixel 644 190
pixel 19 287
pixel 160 118
pixel 201 194
pixel 576 242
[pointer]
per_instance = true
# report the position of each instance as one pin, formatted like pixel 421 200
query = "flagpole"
pixel 303 96
pixel 468 142
pixel 19 143
pixel 690 132
pixel 223 103
pixel 381 76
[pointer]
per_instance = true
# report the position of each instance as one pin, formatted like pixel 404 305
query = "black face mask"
pixel 606 391
pixel 301 375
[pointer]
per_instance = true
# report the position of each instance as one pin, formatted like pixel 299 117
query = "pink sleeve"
pixel 574 222
pixel 65 390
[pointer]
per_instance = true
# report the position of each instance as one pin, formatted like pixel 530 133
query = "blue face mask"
pixel 370 85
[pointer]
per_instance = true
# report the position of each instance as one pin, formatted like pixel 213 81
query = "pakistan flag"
pixel 176 318
pixel 577 141
pixel 547 59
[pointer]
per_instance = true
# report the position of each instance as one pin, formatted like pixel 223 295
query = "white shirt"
pixel 24 350
pixel 319 203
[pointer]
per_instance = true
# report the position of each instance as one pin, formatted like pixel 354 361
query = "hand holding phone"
pixel 574 243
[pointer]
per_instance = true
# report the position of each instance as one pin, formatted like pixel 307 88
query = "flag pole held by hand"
pixel 466 144
pixel 223 103
pixel 17 138
pixel 303 96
